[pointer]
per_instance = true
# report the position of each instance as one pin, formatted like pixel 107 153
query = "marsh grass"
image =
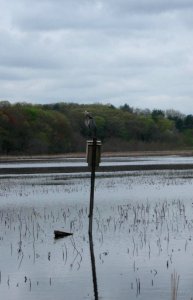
pixel 152 231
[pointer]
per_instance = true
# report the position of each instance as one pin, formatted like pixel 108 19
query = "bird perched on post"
pixel 89 120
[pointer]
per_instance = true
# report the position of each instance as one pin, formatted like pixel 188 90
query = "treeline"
pixel 60 128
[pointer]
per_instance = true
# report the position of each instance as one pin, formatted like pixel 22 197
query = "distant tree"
pixel 4 103
pixel 177 117
pixel 172 114
pixel 59 127
pixel 144 112
pixel 188 121
pixel 127 108
pixel 101 127
pixel 157 113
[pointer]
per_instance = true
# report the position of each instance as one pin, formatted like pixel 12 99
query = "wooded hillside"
pixel 60 128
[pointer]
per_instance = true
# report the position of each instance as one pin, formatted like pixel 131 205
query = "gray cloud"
pixel 86 51
pixel 54 15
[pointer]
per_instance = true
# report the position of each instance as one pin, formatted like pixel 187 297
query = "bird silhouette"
pixel 89 120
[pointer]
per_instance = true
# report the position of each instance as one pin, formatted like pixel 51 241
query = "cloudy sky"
pixel 138 52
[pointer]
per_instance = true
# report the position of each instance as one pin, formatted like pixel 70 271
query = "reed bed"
pixel 145 235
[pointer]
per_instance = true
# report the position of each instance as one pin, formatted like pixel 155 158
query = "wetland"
pixel 142 236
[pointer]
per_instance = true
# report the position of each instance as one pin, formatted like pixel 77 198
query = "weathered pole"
pixel 93 167
pixel 93 159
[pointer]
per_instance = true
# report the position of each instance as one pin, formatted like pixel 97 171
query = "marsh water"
pixel 105 161
pixel 142 236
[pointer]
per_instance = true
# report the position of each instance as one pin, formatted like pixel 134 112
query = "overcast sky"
pixel 138 52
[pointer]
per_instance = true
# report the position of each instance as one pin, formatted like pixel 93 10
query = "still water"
pixel 142 236
pixel 105 161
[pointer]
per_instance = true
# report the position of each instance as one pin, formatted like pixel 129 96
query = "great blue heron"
pixel 89 121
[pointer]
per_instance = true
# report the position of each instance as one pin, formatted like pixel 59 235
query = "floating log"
pixel 60 234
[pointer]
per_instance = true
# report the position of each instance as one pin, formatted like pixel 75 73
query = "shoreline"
pixel 16 158
pixel 81 169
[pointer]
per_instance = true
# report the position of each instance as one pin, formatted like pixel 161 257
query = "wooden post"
pixel 93 167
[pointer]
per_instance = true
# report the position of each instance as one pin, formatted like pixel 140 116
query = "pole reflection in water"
pixel 92 257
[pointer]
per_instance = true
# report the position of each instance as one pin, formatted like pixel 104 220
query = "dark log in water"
pixel 60 234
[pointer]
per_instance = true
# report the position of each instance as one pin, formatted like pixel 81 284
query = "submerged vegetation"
pixel 143 244
pixel 59 128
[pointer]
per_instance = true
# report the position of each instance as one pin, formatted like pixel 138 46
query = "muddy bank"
pixel 34 158
pixel 81 169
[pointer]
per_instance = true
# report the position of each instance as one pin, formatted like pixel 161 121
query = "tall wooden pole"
pixel 93 167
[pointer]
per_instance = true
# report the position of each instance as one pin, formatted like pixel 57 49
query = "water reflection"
pixel 106 161
pixel 143 231
pixel 93 266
